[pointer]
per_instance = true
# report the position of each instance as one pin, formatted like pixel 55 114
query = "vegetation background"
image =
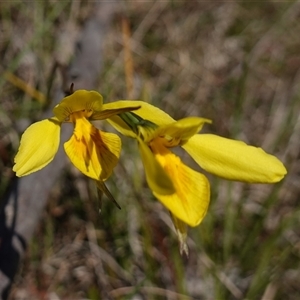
pixel 235 62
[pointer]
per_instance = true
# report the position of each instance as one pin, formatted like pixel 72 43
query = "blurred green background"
pixel 234 62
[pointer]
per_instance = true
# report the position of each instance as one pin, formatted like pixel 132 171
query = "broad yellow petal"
pixel 95 153
pixel 190 201
pixel 157 178
pixel 38 146
pixel 81 100
pixel 234 160
pixel 146 111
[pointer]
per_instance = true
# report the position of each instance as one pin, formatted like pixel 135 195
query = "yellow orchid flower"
pixel 184 191
pixel 94 152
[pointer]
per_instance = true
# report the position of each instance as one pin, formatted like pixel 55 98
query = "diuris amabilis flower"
pixel 184 191
pixel 94 152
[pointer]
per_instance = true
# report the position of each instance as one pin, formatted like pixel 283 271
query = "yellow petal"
pixel 234 160
pixel 190 201
pixel 146 111
pixel 95 153
pixel 181 130
pixel 157 178
pixel 38 146
pixel 90 101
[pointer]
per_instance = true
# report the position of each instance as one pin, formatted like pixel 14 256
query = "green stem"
pixel 133 121
pixel 130 120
